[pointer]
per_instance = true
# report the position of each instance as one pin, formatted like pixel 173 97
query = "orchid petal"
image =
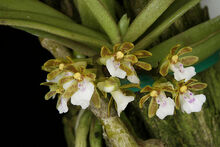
pixel 191 103
pixel 83 95
pixel 62 107
pixel 121 100
pixel 114 68
pixel 166 106
pixel 181 73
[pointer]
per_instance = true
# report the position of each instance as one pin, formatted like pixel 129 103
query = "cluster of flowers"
pixel 180 88
pixel 73 81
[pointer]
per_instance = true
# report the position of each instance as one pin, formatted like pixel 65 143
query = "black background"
pixel 28 119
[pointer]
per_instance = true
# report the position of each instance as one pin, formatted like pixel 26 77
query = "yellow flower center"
pixel 175 59
pixel 153 93
pixel 183 89
pixel 61 66
pixel 119 55
pixel 77 76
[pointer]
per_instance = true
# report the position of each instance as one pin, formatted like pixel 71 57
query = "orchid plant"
pixel 103 49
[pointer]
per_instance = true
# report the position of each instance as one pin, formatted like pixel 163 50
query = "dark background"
pixel 29 119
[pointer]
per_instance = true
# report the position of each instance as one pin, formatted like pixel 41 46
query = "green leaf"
pixel 36 21
pixel 110 6
pixel 199 40
pixel 123 24
pixel 76 46
pixel 175 11
pixel 105 19
pixel 34 6
pixel 146 18
pixel 87 18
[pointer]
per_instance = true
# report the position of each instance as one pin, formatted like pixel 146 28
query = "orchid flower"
pixel 176 64
pixel 111 85
pixel 120 62
pixel 188 101
pixel 158 97
pixel 70 80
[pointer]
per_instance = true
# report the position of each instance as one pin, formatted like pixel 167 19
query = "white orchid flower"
pixel 111 86
pixel 119 63
pixel 166 105
pixel 114 68
pixel 62 106
pixel 121 100
pixel 181 73
pixel 176 64
pixel 84 94
pixel 70 80
pixel 190 102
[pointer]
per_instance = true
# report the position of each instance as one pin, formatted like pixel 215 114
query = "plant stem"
pixel 116 133
pixel 95 136
pixel 83 129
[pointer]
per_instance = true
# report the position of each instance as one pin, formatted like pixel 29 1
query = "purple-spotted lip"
pixel 81 86
pixel 191 100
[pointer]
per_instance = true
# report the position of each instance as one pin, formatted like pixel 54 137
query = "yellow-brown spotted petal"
pixel 80 64
pixel 126 69
pixel 51 65
pixel 131 58
pixel 197 86
pixel 105 51
pixel 190 82
pixel 126 47
pixel 146 89
pixel 164 68
pixel 116 47
pixel 152 109
pixel 96 99
pixel 184 51
pixel 50 94
pixel 174 49
pixel 53 74
pixel 70 68
pixel 65 80
pixel 189 60
pixel 144 65
pixel 177 101
pixel 92 76
pixel 142 54
pixel 130 85
pixel 71 90
pixel 167 88
pixel 143 100
pixel 48 83
pixel 109 106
